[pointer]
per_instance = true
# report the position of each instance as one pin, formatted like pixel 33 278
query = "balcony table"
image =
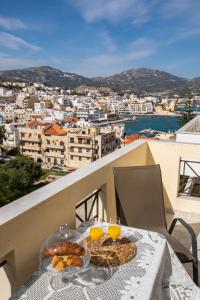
pixel 155 273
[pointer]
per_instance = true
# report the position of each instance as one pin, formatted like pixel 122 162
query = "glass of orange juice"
pixel 114 230
pixel 96 232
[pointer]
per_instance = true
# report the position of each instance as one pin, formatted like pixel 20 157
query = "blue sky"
pixel 101 37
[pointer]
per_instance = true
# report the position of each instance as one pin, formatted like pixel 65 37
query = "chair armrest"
pixel 191 232
pixel 2 263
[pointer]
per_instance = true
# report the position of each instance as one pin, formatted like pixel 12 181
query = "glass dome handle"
pixel 64 227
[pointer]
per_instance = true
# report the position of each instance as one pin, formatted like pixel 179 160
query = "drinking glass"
pixel 114 230
pixel 96 231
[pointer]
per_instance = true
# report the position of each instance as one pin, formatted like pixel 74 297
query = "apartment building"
pixel 89 144
pixel 72 147
pixel 136 107
pixel 55 145
pixel 12 135
pixel 31 139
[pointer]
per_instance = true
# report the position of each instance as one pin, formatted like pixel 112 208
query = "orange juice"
pixel 96 233
pixel 114 231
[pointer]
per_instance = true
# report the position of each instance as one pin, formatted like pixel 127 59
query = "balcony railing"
pixel 88 208
pixel 52 146
pixel 82 154
pixel 189 184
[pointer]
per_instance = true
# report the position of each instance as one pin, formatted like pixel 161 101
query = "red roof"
pixel 35 122
pixel 134 137
pixel 55 129
pixel 71 120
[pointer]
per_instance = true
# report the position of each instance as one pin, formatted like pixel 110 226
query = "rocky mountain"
pixel 47 75
pixel 142 79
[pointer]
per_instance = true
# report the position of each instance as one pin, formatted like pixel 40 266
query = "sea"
pixel 161 123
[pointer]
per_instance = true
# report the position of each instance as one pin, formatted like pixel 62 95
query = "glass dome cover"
pixel 64 251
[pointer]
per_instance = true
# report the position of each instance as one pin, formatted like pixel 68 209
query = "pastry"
pixel 65 248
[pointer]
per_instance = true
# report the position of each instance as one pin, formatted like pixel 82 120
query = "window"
pixel 49 159
pixel 87 150
pixel 62 161
pixel 62 152
pixel 71 140
pixel 189 178
pixel 79 141
pixel 72 157
pixel 61 143
pixel 80 158
pixel 39 136
pixel 80 150
pixel 48 142
pixel 88 142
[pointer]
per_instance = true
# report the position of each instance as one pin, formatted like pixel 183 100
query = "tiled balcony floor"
pixel 181 234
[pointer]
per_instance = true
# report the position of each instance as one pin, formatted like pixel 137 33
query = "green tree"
pixel 187 114
pixel 2 136
pixel 17 177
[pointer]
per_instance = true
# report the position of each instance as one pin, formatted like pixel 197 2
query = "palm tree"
pixel 187 114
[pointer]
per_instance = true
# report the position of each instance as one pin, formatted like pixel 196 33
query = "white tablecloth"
pixel 155 273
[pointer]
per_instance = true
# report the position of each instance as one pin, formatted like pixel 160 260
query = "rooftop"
pixel 55 129
pixel 35 122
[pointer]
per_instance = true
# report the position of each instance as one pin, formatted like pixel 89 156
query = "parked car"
pixel 56 168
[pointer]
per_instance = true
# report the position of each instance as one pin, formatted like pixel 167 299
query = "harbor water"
pixel 161 123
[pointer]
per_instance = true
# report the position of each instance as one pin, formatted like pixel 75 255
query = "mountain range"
pixel 141 79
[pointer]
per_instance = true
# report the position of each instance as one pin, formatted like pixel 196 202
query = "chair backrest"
pixel 139 197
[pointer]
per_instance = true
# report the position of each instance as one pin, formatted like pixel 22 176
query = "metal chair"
pixel 140 203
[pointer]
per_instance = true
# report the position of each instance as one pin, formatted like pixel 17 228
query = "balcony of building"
pixel 80 153
pixel 52 154
pixel 83 145
pixel 26 223
pixel 34 147
pixel 27 138
pixel 55 146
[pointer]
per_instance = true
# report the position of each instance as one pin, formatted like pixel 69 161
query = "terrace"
pixel 25 223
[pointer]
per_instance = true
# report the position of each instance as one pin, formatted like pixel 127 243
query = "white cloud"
pixel 107 41
pixel 115 10
pixel 11 23
pixel 14 42
pixel 175 8
pixel 108 63
pixel 138 11
pixel 9 62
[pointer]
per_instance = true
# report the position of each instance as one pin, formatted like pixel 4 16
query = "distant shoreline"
pixel 157 114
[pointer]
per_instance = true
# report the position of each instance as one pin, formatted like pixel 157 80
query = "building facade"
pixel 71 147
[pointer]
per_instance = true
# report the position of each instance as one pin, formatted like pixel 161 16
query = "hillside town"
pixel 72 128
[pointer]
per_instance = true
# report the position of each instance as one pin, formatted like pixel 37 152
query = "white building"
pixel 136 107
pixel 39 107
pixel 190 132
pixel 57 115
pixel 2 91
pixel 12 135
